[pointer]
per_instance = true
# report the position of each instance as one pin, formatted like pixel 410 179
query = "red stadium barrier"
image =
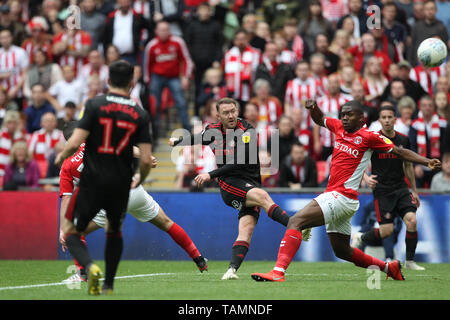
pixel 28 225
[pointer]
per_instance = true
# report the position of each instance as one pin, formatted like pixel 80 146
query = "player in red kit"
pixel 353 148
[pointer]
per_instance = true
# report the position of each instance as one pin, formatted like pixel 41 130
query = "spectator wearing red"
pixel 167 63
pixel 366 50
pixel 285 55
pixel 9 134
pixel 427 77
pixel 39 40
pixel 213 87
pixel 94 67
pixel 318 71
pixel 240 64
pixel 71 47
pixel 269 107
pixel 374 81
pixel 43 141
pixel 295 42
pixel 331 63
pixel 330 104
pixel 276 73
pixel 14 63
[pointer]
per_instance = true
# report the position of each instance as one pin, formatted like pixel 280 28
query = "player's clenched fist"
pixel 310 104
pixel 434 164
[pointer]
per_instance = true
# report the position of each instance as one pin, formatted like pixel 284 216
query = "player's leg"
pixel 247 223
pixel 310 216
pixel 260 198
pixel 144 208
pixel 411 240
pixel 115 204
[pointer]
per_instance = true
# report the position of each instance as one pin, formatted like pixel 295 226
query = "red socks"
pixel 288 248
pixel 360 259
pixel 182 239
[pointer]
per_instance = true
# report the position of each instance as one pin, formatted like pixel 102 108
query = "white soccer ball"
pixel 432 52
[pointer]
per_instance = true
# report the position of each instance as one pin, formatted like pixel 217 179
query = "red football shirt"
pixel 351 156
pixel 70 172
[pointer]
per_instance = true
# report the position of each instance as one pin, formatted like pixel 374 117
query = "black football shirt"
pixel 389 168
pixel 115 123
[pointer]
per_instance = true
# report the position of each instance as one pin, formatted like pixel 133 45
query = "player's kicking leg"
pixel 145 209
pixel 247 222
pixel 313 215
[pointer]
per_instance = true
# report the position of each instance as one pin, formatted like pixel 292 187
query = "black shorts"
pixel 234 191
pixel 86 202
pixel 396 203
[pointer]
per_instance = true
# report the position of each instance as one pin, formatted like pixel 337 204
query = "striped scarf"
pixel 434 137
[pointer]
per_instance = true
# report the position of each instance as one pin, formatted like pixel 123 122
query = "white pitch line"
pixel 61 283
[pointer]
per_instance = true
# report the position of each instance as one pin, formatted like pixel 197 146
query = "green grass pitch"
pixel 180 280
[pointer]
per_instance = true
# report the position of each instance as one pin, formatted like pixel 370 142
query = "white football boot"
pixel 230 274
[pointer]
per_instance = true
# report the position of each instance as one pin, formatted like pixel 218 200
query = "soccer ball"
pixel 432 52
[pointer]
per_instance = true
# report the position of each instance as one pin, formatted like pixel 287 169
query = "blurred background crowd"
pixel 269 55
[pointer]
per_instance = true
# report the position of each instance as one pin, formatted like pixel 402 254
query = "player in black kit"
pixel 390 191
pixel 110 126
pixel 236 149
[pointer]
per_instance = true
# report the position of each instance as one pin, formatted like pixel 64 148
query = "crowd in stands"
pixel 269 55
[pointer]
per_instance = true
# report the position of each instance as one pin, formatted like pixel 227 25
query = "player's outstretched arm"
pixel 78 137
pixel 411 156
pixel 316 113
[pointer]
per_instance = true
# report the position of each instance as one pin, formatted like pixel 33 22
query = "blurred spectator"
pixel 111 54
pixel 341 42
pixel 412 88
pixel 304 135
pixel 6 104
pixel 209 115
pixel 92 21
pixel 43 72
pixel 284 54
pixel 393 71
pixel 53 170
pixel 441 180
pixel 269 107
pixel 407 6
pixel 166 58
pixel 43 142
pixel 193 161
pixel 172 12
pixel 442 85
pixel 295 42
pixel 318 72
pixel 95 66
pixel 249 25
pixel 263 128
pixel 70 110
pixel 331 59
pixel 13 66
pixel 240 64
pixel 298 170
pixel 347 76
pixel 16 28
pixel 286 139
pixel 443 13
pixel 213 87
pixel 67 89
pixel 349 25
pixel 263 31
pixel 204 39
pixel 359 94
pixel 358 16
pixel 426 28
pixel 276 73
pixel 300 89
pixel 395 31
pixel 366 50
pixel 123 29
pixel 406 107
pixel 39 106
pixel 385 45
pixel 314 24
pixel 251 115
pixel 39 40
pixel 71 46
pixel 22 171
pixel 442 104
pixel 105 7
pixel 427 77
pixel 396 92
pixel 334 10
pixel 277 11
pixel 374 81
pixel 10 133
pixel 269 178
pixel 427 138
pixel 330 104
